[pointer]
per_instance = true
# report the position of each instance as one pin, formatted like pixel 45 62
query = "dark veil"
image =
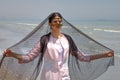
pixel 12 70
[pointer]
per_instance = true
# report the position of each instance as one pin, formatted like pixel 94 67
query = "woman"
pixel 54 48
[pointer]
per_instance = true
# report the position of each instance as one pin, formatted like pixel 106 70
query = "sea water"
pixel 105 32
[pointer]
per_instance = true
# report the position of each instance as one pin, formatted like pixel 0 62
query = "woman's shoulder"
pixel 67 36
pixel 45 35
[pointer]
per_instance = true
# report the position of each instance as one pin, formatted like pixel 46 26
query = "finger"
pixel 7 50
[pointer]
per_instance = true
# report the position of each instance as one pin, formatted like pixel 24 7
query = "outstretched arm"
pixel 24 58
pixel 98 56
pixel 10 53
pixel 88 58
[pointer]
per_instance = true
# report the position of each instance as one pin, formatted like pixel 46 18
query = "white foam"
pixel 116 31
pixel 117 55
pixel 107 30
pixel 27 24
pixel 1 51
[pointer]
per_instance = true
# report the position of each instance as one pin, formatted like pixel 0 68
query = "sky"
pixel 70 9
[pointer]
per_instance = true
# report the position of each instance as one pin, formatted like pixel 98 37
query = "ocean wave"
pixel 117 55
pixel 1 51
pixel 107 30
pixel 28 24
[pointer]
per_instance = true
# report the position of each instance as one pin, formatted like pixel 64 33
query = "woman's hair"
pixel 53 15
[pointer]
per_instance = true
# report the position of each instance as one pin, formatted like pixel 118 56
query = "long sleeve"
pixel 83 57
pixel 78 54
pixel 32 54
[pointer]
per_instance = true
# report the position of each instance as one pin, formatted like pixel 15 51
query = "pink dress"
pixel 55 66
pixel 55 59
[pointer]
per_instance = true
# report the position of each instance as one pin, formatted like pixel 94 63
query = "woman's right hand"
pixel 8 53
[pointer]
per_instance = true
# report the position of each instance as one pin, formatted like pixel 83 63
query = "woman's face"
pixel 56 23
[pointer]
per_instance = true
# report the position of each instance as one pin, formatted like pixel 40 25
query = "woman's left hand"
pixel 110 54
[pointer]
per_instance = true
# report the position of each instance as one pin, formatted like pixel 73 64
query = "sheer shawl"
pixel 12 70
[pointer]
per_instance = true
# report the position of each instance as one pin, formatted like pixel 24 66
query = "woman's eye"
pixel 54 21
pixel 57 21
